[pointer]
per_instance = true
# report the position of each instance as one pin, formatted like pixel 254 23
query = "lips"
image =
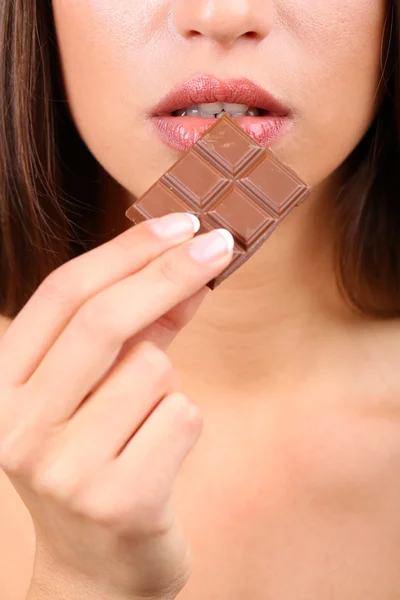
pixel 182 132
pixel 204 89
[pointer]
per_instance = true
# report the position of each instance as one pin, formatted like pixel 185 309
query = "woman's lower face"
pixel 121 58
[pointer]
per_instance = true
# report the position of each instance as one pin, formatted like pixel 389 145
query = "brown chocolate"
pixel 227 180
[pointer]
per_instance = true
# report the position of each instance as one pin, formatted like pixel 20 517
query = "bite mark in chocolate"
pixel 227 180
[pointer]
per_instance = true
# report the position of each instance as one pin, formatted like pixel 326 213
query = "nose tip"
pixel 224 21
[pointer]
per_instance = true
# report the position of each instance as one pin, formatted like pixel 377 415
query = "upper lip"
pixel 204 89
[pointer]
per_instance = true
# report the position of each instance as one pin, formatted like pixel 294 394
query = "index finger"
pixel 65 290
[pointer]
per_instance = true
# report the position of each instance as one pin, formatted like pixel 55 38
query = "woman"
pixel 250 450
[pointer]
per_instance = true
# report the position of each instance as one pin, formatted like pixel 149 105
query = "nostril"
pixel 252 35
pixel 226 37
pixel 193 33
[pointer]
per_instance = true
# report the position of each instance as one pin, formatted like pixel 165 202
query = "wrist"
pixel 52 586
pixel 53 580
pixel 56 585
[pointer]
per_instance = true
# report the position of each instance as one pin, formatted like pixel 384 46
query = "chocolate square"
pixel 227 180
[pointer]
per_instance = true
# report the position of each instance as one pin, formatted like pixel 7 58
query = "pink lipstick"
pixel 265 120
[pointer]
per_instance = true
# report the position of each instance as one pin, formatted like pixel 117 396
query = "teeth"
pixel 217 109
pixel 252 112
pixel 192 111
pixel 211 109
pixel 235 108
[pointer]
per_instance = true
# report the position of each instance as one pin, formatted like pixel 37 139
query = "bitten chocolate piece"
pixel 227 180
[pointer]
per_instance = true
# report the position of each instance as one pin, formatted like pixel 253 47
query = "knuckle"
pixel 132 239
pixel 61 285
pixel 185 413
pixel 97 319
pixel 157 361
pixel 171 273
pixel 87 320
pixel 53 480
pixel 97 507
pixel 17 447
pixel 96 500
pixel 14 457
pixel 103 509
pixel 126 242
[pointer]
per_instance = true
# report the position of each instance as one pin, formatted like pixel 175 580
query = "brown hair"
pixel 49 181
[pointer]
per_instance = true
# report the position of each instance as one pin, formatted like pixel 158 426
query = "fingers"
pixel 133 489
pixel 165 329
pixel 112 414
pixel 163 443
pixel 64 291
pixel 91 342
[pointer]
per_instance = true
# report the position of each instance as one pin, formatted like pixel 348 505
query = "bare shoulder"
pixel 358 370
pixel 382 354
pixel 371 366
pixel 17 543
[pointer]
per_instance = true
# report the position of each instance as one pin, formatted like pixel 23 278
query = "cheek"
pixel 130 22
pixel 338 67
pixel 339 40
pixel 106 55
pixel 103 42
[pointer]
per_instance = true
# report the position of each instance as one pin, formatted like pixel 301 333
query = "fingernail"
pixel 212 246
pixel 175 225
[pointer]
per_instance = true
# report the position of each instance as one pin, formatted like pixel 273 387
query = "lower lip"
pixel 182 132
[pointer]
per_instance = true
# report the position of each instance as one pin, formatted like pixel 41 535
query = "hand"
pixel 93 425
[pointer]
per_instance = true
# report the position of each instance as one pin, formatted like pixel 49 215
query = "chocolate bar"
pixel 227 180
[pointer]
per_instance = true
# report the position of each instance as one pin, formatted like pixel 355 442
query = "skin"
pixel 313 407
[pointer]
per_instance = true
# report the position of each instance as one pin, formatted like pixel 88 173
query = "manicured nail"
pixel 212 246
pixel 175 225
